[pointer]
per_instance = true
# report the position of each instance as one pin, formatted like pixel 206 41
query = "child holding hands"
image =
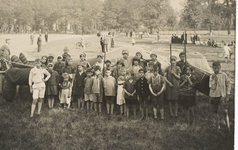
pixel 157 87
pixel 172 77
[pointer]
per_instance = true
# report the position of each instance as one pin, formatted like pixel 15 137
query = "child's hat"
pixel 182 53
pixel 82 55
pixel 99 55
pixel 108 61
pixel 125 51
pixel 59 57
pixel 66 49
pixel 65 75
pixel 141 70
pixel 153 54
pixel 136 58
pixel 51 55
pixel 50 65
pixel 138 53
pixel 173 57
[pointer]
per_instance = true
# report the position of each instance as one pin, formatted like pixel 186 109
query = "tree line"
pixel 85 16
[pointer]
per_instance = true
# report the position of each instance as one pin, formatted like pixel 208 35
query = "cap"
pixel 59 57
pixel 182 53
pixel 66 49
pixel 138 53
pixel 173 58
pixel 153 54
pixel 136 58
pixel 50 65
pixel 108 61
pixel 82 54
pixel 125 51
pixel 65 75
pixel 51 55
pixel 141 70
pixel 100 55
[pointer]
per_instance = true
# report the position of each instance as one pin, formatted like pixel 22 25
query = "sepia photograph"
pixel 117 74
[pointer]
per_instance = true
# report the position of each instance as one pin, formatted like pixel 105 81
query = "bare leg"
pixel 146 113
pixel 91 105
pixel 100 107
pixel 88 104
pixel 127 112
pixel 112 109
pixel 227 119
pixel 79 102
pixel 82 100
pixel 218 124
pixel 52 102
pixel 176 108
pixel 33 107
pixel 170 108
pixel 125 109
pixel 142 111
pixel 39 105
pixel 95 107
pixel 121 109
pixel 49 101
pixel 162 113
pixel 155 111
pixel 108 108
pixel 134 111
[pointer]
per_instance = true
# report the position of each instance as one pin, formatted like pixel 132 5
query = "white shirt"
pixel 227 49
pixel 37 75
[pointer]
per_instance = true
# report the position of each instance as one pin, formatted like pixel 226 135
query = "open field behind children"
pixel 78 129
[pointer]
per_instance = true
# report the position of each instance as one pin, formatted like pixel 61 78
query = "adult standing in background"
pixel 46 37
pixel 101 43
pixel 182 38
pixel 112 41
pixel 39 42
pixel 105 43
pixel 32 38
pixel 83 42
pixel 185 38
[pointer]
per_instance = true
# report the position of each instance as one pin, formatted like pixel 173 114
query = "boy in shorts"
pixel 219 91
pixel 97 89
pixel 157 87
pixel 109 84
pixel 143 92
pixel 37 85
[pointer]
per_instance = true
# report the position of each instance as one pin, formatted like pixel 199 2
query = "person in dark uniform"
pixel 182 64
pixel 182 38
pixel 101 43
pixel 46 37
pixel 39 42
pixel 185 38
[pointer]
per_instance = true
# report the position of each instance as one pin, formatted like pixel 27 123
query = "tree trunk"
pixel 229 19
pixel 65 27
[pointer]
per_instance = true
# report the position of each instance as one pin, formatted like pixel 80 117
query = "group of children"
pixel 143 84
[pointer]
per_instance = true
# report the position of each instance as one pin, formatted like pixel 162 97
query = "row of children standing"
pixel 129 84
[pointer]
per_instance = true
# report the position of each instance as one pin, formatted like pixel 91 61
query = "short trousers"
pixel 157 100
pixel 64 96
pixel 217 101
pixel 89 97
pixel 38 90
pixel 110 99
pixel 97 98
pixel 143 101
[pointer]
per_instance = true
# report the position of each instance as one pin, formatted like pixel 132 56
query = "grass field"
pixel 78 129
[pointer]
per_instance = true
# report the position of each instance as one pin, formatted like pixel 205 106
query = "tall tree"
pixel 192 14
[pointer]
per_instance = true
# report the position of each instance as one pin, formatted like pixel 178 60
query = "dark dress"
pixel 130 87
pixel 172 93
pixel 52 84
pixel 78 86
pixel 187 93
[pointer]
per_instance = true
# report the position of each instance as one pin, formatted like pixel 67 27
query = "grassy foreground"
pixel 78 129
